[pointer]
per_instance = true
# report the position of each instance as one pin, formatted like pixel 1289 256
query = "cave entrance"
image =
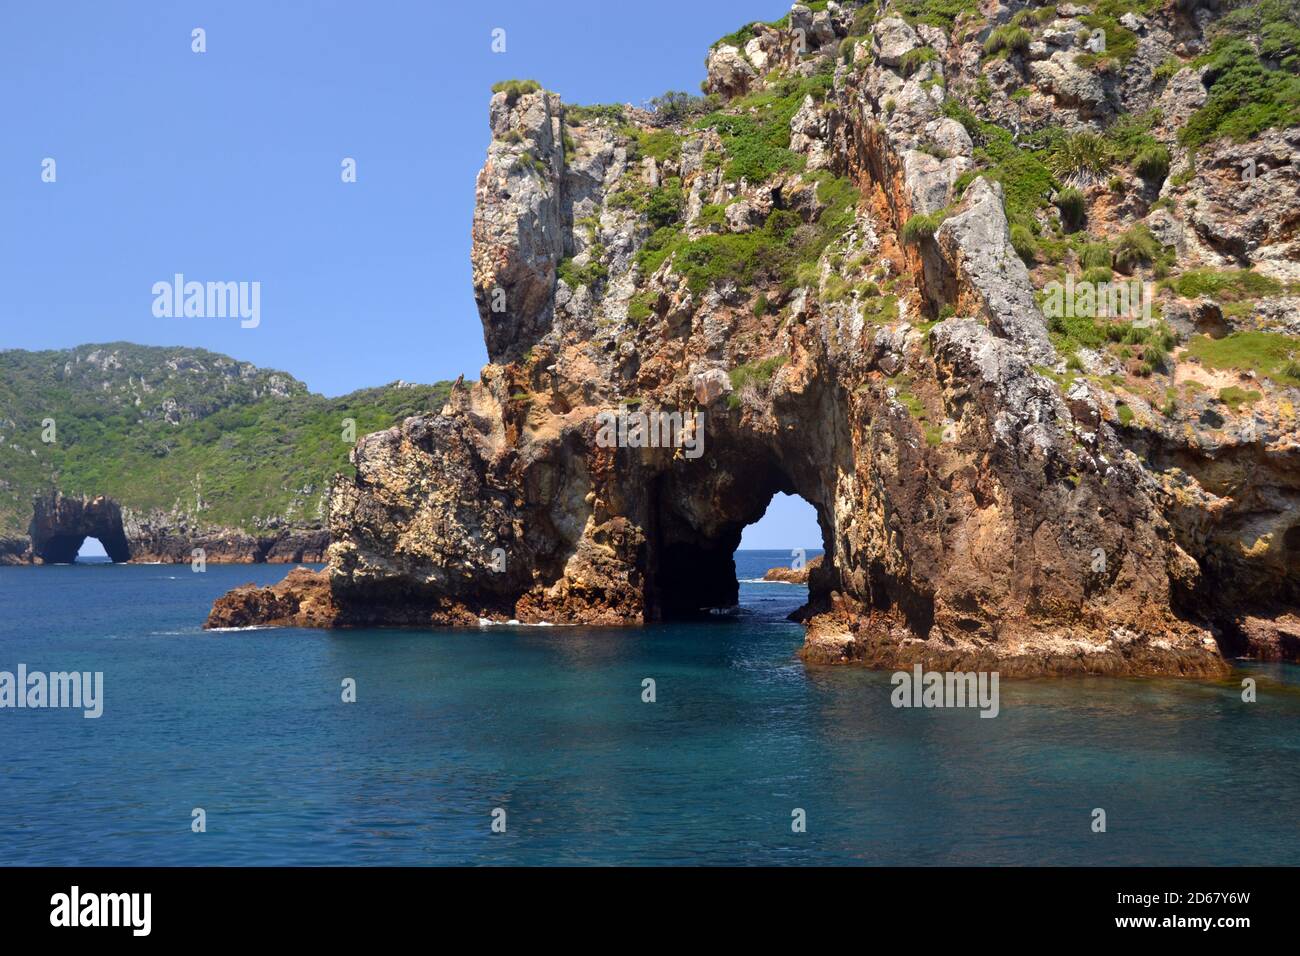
pixel 71 548
pixel 692 571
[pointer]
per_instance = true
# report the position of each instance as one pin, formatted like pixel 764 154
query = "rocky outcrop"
pixel 1266 636
pixel 793 575
pixel 729 72
pixel 302 599
pixel 894 39
pixel 1243 202
pixel 852 320
pixel 1092 590
pixel 60 524
pixel 15 551
pixel 1070 85
pixel 987 278
pixel 170 539
pixel 519 231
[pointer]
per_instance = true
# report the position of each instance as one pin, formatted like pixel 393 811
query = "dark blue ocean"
pixel 548 724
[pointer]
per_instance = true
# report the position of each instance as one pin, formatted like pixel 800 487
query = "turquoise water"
pixel 549 725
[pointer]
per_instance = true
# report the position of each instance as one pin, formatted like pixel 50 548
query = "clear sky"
pixel 225 165
pixel 790 522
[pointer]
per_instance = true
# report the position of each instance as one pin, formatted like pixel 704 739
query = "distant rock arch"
pixel 60 524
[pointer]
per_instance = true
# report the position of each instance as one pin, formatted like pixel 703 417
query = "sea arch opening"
pixel 91 551
pixel 60 526
pixel 699 522
pixel 789 525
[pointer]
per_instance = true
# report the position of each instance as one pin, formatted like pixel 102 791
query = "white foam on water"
pixel 484 622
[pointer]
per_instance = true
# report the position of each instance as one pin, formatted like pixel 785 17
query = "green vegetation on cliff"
pixel 755 129
pixel 746 33
pixel 777 251
pixel 936 13
pixel 180 429
pixel 513 89
pixel 1228 285
pixel 1270 354
pixel 757 374
pixel 1252 73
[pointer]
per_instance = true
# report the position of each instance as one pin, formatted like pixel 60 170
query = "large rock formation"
pixel 61 524
pixel 850 319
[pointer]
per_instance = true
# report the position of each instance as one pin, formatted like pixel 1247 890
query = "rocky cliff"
pixel 838 275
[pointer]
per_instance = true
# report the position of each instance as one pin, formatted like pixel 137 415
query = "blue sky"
pixel 225 165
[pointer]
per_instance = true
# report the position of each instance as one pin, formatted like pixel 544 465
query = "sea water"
pixel 548 733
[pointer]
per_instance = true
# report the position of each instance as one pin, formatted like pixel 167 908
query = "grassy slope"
pixel 163 428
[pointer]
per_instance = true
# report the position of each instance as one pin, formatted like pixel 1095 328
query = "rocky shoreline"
pixel 60 523
pixel 227 546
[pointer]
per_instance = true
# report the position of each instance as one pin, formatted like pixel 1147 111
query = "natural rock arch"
pixel 697 517
pixel 60 524
pixel 975 514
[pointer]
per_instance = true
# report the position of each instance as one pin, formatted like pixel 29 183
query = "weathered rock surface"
pixel 987 278
pixel 302 599
pixel 981 504
pixel 1245 201
pixel 1267 637
pixel 60 524
pixel 152 543
pixel 894 40
pixel 14 551
pixel 1071 85
pixel 729 73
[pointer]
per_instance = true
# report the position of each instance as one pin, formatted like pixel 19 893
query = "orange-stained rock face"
pixel 302 599
pixel 984 501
